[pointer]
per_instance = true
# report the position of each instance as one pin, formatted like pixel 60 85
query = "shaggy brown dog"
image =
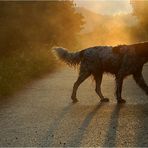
pixel 121 61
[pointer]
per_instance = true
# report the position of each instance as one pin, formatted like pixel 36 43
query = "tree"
pixel 140 10
pixel 29 23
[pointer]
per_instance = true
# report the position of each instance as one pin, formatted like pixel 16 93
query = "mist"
pixel 28 30
pixel 114 29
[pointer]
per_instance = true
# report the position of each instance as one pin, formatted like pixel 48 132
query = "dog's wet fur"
pixel 121 61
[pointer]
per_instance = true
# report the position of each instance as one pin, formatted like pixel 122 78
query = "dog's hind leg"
pixel 138 77
pixel 119 83
pixel 98 79
pixel 82 76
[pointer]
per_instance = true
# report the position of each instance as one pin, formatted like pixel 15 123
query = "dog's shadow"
pixel 110 140
pixel 111 131
pixel 49 140
pixel 77 137
pixel 138 111
pixel 76 140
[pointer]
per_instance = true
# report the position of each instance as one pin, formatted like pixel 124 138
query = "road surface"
pixel 42 114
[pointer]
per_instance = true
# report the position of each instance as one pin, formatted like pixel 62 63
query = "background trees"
pixel 140 10
pixel 27 32
pixel 33 23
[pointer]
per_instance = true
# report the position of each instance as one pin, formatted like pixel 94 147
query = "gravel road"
pixel 42 114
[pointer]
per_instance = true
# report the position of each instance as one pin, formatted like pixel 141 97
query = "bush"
pixel 19 68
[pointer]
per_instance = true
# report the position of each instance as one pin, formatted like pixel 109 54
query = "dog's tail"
pixel 70 58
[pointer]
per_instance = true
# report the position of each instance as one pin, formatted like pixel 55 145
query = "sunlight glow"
pixel 107 7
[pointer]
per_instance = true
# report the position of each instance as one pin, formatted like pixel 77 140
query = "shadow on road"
pixel 111 134
pixel 142 132
pixel 77 138
pixel 137 113
pixel 48 139
pixel 118 113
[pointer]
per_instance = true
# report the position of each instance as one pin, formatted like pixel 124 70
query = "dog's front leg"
pixel 138 77
pixel 119 83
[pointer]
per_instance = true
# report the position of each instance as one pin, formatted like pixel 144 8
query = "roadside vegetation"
pixel 28 30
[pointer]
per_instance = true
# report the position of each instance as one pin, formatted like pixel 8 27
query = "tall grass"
pixel 22 66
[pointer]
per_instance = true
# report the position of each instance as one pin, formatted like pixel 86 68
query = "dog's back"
pixel 102 57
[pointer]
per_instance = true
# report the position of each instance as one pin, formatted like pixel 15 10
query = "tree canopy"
pixel 140 10
pixel 25 23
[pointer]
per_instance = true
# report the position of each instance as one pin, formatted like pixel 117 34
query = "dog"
pixel 120 61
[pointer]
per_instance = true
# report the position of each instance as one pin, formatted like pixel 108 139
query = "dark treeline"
pixel 27 32
pixel 29 29
pixel 24 24
pixel 140 10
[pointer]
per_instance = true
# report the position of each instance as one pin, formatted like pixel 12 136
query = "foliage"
pixel 27 32
pixel 31 23
pixel 19 68
pixel 141 12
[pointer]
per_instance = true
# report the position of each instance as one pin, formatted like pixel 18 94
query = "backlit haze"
pixel 107 22
pixel 107 7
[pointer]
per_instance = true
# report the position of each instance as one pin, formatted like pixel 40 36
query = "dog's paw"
pixel 105 100
pixel 121 101
pixel 74 100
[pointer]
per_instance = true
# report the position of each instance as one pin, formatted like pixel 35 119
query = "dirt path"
pixel 43 115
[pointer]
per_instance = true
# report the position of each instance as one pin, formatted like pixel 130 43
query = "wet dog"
pixel 121 61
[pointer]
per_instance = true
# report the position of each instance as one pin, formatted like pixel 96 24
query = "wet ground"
pixel 42 114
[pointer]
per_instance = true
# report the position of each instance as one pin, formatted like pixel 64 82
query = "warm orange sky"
pixel 109 7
